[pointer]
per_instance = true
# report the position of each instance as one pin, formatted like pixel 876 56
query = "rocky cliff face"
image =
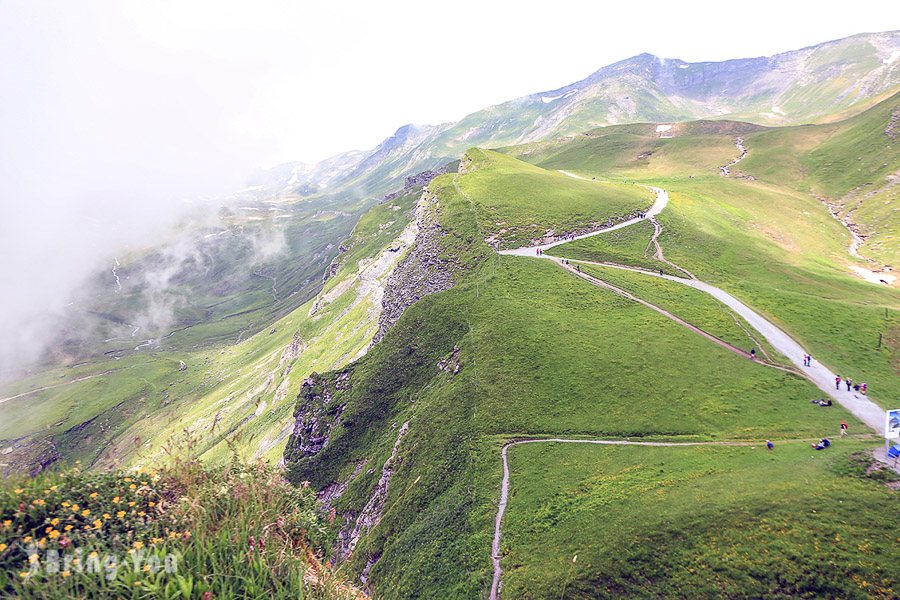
pixel 422 271
pixel 317 414
pixel 423 178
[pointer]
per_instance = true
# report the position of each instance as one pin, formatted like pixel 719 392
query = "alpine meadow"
pixel 635 337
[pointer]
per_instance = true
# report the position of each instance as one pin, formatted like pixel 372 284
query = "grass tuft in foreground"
pixel 183 531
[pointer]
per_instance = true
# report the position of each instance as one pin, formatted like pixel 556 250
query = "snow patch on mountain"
pixel 549 99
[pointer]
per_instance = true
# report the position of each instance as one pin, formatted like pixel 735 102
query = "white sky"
pixel 112 113
pixel 306 80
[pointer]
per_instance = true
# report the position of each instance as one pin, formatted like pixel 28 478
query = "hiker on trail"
pixel 848 381
pixel 837 382
pixel 862 388
pixel 843 428
pixel 855 387
pixel 660 272
pixel 769 444
pixel 752 353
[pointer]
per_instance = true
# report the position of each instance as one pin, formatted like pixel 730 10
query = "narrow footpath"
pixel 857 404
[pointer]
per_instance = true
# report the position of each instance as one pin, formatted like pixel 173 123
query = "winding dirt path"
pixel 665 313
pixel 860 406
pixel 504 488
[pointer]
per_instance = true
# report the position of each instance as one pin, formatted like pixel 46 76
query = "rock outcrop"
pixel 419 179
pixel 424 270
pixel 317 414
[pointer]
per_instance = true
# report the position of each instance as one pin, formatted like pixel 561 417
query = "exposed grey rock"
pixel 422 271
pixel 893 126
pixel 314 418
pixel 423 178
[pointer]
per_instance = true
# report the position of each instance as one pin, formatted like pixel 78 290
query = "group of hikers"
pixel 857 387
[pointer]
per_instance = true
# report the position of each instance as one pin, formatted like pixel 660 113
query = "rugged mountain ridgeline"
pixel 816 83
pixel 386 352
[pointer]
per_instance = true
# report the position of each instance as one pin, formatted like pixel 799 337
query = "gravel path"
pixel 860 406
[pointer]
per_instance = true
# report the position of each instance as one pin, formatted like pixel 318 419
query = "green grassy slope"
pixel 769 241
pixel 239 393
pixel 707 522
pixel 518 203
pixel 540 352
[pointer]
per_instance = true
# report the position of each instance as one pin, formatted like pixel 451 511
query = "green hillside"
pixel 388 356
pixel 414 428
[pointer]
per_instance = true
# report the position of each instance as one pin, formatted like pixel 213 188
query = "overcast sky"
pixel 113 113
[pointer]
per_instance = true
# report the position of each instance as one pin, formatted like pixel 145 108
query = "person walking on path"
pixel 752 353
pixel 837 382
pixel 862 388
pixel 769 444
pixel 849 382
pixel 843 428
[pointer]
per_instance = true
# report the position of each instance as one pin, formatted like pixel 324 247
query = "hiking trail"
pixel 860 406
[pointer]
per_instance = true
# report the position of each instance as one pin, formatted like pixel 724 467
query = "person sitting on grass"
pixel 823 443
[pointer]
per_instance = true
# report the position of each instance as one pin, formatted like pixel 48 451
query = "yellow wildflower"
pixel 137 583
pixel 74 508
pixel 46 491
pixel 7 523
pixel 139 544
pixel 132 486
pixel 53 487
pixel 131 504
pixel 142 470
pixel 94 553
pixel 143 483
pixel 54 534
pixel 94 494
pixel 68 528
pixel 27 539
pixel 23 574
pixel 65 573
pixel 106 516
pixel 146 568
pixel 19 490
pixel 116 500
pixel 85 512
pixel 120 514
pixel 141 514
pixel 3 547
pixel 127 479
pixel 55 521
pixel 66 504
pixel 98 524
pixel 152 504
pixel 33 558
pixel 48 529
